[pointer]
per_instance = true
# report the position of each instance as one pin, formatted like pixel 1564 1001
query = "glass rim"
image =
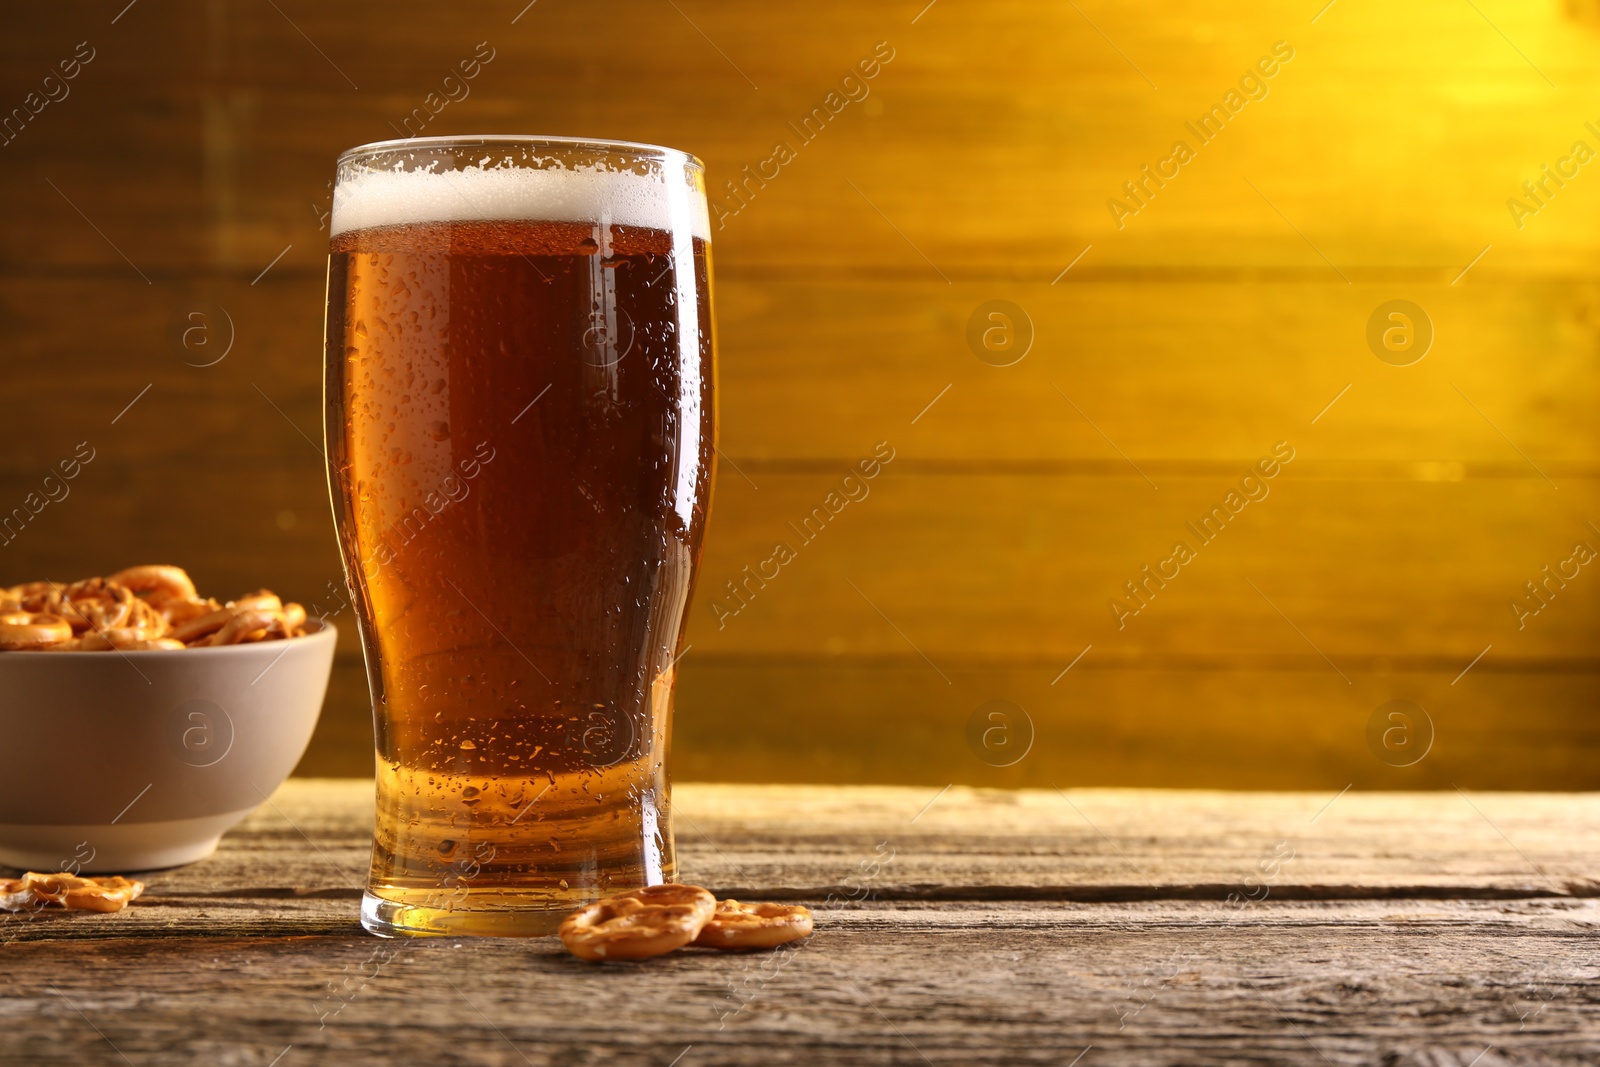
pixel 639 148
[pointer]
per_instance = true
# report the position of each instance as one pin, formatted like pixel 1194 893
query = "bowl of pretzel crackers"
pixel 142 720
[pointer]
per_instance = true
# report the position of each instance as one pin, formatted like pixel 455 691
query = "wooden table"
pixel 1087 927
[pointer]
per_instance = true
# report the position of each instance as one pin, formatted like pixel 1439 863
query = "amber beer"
pixel 520 441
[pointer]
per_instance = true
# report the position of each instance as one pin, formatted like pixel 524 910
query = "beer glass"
pixel 520 437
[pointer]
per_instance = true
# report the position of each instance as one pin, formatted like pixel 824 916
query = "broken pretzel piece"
pixel 71 891
pixel 13 897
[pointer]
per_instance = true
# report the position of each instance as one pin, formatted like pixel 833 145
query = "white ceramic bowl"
pixel 136 760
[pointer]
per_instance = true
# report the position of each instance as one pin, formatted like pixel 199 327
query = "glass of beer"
pixel 520 427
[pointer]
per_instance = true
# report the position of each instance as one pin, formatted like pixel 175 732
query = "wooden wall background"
pixel 187 170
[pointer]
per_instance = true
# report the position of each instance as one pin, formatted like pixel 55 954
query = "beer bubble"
pixel 1399 332
pixel 439 430
pixel 999 332
pixel 1000 733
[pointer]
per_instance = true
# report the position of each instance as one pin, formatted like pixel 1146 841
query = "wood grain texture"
pixel 1263 724
pixel 995 568
pixel 984 927
pixel 815 370
pixel 307 849
pixel 1352 983
pixel 1389 141
pixel 187 171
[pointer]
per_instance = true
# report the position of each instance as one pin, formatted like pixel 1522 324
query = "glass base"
pixel 389 918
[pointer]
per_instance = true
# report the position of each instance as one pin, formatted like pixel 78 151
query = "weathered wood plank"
pixel 1011 565
pixel 221 122
pixel 1252 726
pixel 1185 375
pixel 1176 372
pixel 306 852
pixel 995 567
pixel 1265 723
pixel 1410 984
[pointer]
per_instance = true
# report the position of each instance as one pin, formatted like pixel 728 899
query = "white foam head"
pixel 662 201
